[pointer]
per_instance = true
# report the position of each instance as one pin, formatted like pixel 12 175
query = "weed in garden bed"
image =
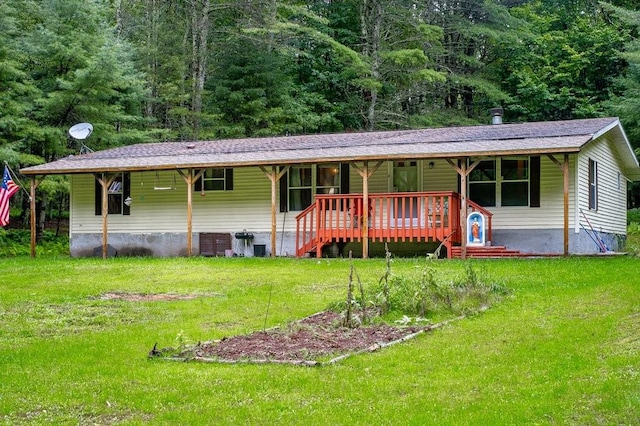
pixel 423 294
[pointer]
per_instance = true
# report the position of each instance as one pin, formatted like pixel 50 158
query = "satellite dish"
pixel 81 131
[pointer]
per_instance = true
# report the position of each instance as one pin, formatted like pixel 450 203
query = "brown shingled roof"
pixel 449 142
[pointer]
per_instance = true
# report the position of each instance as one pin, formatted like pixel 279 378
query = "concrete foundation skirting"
pixel 542 241
pixel 172 244
pixel 545 241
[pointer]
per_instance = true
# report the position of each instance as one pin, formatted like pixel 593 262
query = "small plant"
pixel 355 312
pixel 384 281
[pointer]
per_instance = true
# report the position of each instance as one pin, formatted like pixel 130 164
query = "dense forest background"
pixel 164 70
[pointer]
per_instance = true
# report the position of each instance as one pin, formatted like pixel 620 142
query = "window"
pixel 117 193
pixel 298 186
pixel 593 185
pixel 482 183
pixel 515 182
pixel 405 176
pixel 217 179
pixel 328 179
pixel 511 181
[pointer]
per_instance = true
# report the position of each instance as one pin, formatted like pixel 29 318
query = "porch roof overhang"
pixel 452 142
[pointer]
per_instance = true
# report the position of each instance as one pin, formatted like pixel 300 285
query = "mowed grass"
pixel 564 348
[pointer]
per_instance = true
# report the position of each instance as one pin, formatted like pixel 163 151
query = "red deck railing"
pixel 409 216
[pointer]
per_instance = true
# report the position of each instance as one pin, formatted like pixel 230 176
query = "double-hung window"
pixel 217 179
pixel 507 181
pixel 515 181
pixel 300 187
pixel 593 185
pixel 303 181
pixel 482 183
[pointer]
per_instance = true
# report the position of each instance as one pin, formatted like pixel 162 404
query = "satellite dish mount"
pixel 81 131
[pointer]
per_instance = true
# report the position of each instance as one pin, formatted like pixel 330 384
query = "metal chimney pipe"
pixel 496 115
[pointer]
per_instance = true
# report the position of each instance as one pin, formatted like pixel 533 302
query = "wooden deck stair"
pixel 486 252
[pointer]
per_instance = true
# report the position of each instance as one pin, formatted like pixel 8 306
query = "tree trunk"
pixel 371 21
pixel 200 33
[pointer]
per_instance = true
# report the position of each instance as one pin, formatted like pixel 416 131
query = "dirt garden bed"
pixel 316 340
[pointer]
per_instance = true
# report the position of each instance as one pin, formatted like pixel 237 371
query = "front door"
pixel 405 179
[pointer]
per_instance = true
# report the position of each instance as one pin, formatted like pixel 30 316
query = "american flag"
pixel 7 189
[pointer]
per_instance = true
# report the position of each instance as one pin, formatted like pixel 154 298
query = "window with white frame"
pixel 300 187
pixel 515 181
pixel 482 183
pixel 216 179
pixel 303 181
pixel 593 184
pixel 504 182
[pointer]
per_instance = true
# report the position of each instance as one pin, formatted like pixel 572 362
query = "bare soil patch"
pixel 312 338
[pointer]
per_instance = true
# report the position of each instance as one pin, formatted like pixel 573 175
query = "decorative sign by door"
pixel 475 229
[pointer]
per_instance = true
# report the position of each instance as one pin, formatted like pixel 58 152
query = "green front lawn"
pixel 563 348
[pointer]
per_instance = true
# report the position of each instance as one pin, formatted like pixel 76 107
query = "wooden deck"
pixel 397 217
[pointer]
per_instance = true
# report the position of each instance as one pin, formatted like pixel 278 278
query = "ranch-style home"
pixel 545 188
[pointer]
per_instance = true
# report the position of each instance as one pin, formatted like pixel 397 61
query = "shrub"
pixel 425 294
pixel 17 242
pixel 419 295
pixel 633 216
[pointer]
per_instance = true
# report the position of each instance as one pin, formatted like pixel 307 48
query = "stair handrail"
pixel 301 237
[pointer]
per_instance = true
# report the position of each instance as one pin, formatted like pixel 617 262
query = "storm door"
pixel 405 179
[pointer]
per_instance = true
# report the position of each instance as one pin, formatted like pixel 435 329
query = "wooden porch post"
pixel 32 214
pixel 365 210
pixel 274 177
pixel 189 179
pixel 366 173
pixel 463 171
pixel 564 166
pixel 105 181
pixel 463 208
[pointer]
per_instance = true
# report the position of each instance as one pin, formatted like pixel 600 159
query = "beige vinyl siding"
pixel 550 214
pixel 610 215
pixel 247 206
pixel 378 182
pixel 441 177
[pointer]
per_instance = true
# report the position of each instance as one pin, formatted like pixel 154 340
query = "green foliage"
pixel 632 243
pixel 420 294
pixel 633 216
pixel 17 242
pixel 560 64
pixel 425 294
pixel 129 67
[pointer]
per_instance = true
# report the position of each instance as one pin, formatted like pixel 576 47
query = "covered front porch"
pixel 386 217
